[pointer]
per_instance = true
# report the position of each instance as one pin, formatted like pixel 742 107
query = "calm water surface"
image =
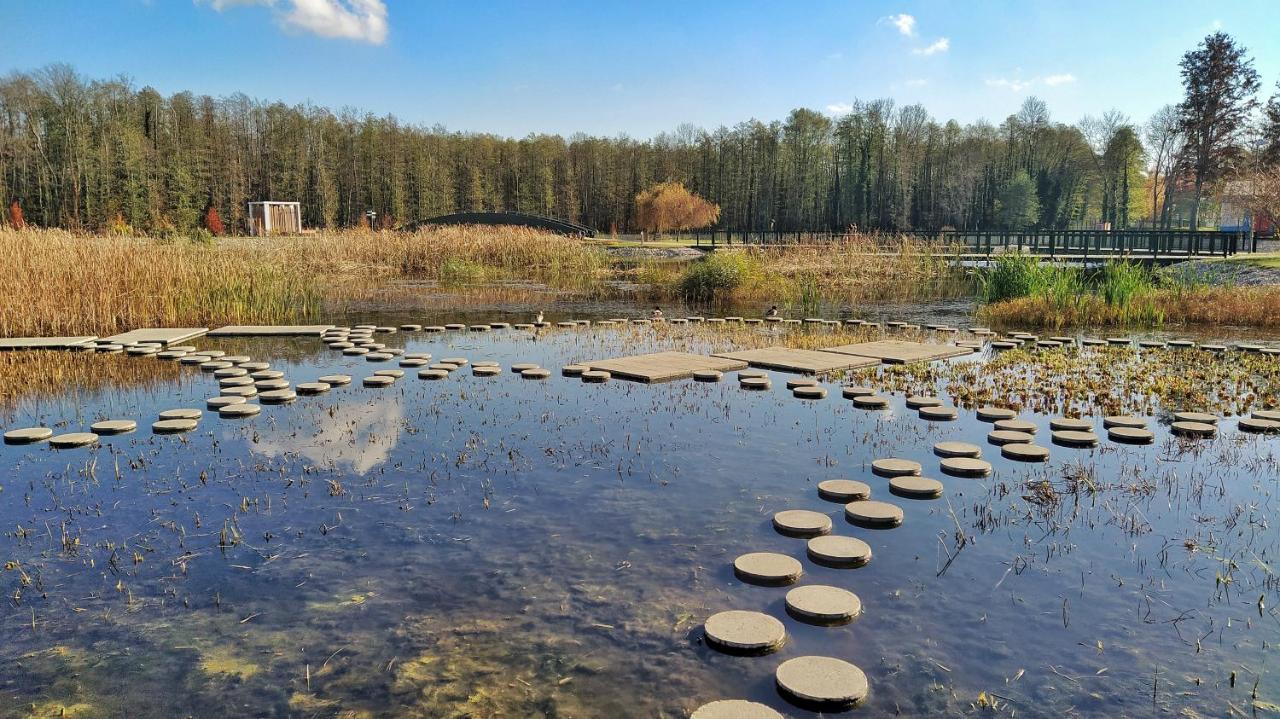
pixel 502 547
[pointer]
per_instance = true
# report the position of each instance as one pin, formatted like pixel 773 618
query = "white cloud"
pixel 1065 78
pixel 1011 85
pixel 361 20
pixel 840 108
pixel 918 82
pixel 905 23
pixel 942 44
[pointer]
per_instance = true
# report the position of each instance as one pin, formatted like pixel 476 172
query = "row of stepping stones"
pixel 820 682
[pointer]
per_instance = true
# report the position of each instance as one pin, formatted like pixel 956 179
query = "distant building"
pixel 275 218
pixel 1235 215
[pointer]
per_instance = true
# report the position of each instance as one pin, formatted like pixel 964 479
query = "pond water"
pixel 485 547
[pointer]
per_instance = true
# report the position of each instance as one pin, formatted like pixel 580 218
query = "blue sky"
pixel 612 67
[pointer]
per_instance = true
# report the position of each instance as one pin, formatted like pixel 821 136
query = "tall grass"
pixel 856 268
pixel 54 282
pixel 1023 289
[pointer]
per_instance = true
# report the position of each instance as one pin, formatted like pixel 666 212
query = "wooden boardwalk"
pixel 901 351
pixel 802 361
pixel 270 331
pixel 158 335
pixel 663 366
pixel 43 343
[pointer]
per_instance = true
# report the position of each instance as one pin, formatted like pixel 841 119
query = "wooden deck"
pixel 270 331
pixel 900 351
pixel 663 366
pixel 158 335
pixel 786 359
pixel 43 343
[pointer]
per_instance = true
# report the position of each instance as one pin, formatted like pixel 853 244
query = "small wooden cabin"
pixel 275 218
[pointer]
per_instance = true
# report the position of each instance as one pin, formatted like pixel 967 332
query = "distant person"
pixel 772 313
pixel 656 315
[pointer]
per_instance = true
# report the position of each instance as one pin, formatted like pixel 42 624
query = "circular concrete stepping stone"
pixel 843 490
pixel 834 550
pixel 1092 342
pixel 171 354
pixel 1119 341
pixel 856 391
pixel 255 366
pixel 1007 436
pixel 396 373
pixel 442 366
pixel 239 391
pixel 801 382
pixel 942 413
pixel 1255 425
pixel 965 467
pixel 573 370
pixel 596 376
pixel 821 682
pixel 485 363
pixel 214 365
pixel 1271 414
pixel 270 384
pixel 1070 424
pixel 748 373
pixel 312 388
pixel 73 439
pixel 522 366
pixel 894 467
pixel 455 326
pixel 801 523
pixel 181 413
pixel 237 359
pixel 1193 429
pixel 1131 435
pixel 742 632
pixel 433 328
pixel 109 348
pixel 335 380
pixel 734 709
pixel 432 374
pixel 1122 420
pixel 1151 344
pixel 378 380
pixel 235 382
pixel 486 371
pixel 356 351
pixel 414 362
pixel 340 345
pixel 1016 425
pixel 27 435
pixel 113 426
pixel 767 568
pixel 755 383
pixel 378 357
pixel 809 392
pixel 993 414
pixel 873 514
pixel 536 373
pixel 458 361
pixel 499 325
pixel 1003 345
pixel 1216 349
pixel 824 605
pixel 1025 452
pixel 871 401
pixel 913 487
pixel 411 328
pixel 142 350
pixel 917 401
pixel 480 328
pixel 707 375
pixel 1181 344
pixel 173 426
pixel 224 401
pixel 566 324
pixel 230 372
pixel 1074 438
pixel 267 374
pixel 235 411
pixel 277 396
pixel 1201 417
pixel 956 449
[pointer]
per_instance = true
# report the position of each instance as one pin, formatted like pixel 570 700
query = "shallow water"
pixel 503 547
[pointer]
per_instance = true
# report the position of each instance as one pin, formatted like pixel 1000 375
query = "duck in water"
pixel 772 313
pixel 656 314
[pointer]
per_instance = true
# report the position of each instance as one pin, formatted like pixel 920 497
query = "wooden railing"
pixel 1082 244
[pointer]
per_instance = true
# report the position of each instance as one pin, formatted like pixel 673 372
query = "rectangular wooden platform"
pixel 159 335
pixel 663 366
pixel 270 331
pixel 802 361
pixel 43 343
pixel 900 351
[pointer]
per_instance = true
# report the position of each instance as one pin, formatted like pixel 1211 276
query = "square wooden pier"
pixel 663 366
pixel 786 359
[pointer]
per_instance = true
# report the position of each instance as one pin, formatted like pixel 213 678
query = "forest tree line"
pixel 102 154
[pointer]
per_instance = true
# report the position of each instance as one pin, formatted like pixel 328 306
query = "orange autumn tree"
pixel 16 220
pixel 669 206
pixel 213 222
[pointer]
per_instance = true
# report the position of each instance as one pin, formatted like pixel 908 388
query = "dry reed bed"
pixel 1253 306
pixel 61 283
